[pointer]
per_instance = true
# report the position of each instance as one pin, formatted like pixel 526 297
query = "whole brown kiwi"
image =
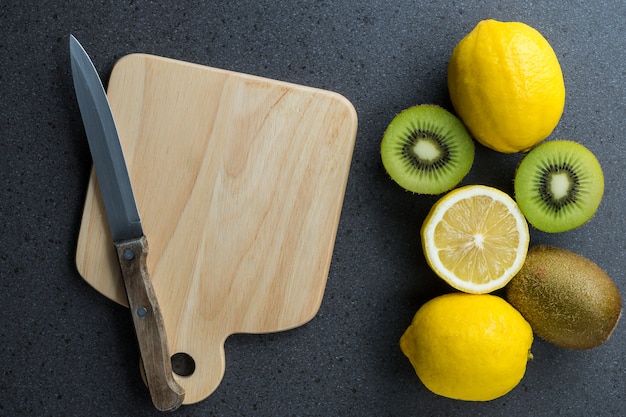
pixel 567 299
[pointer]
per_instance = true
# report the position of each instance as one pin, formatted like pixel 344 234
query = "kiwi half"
pixel 559 186
pixel 427 150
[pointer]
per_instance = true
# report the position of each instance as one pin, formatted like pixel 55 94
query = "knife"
pixel 126 230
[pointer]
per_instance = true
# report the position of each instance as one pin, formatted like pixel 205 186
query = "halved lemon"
pixel 475 238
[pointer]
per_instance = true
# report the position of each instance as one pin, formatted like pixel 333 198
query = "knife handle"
pixel 165 392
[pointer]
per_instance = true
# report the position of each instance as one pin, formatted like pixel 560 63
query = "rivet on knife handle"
pixel 166 394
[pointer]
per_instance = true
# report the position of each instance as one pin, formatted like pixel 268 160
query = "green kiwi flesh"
pixel 559 185
pixel 567 299
pixel 427 150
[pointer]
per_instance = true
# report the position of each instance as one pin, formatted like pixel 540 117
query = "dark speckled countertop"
pixel 67 351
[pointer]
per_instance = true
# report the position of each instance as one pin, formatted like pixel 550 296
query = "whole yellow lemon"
pixel 471 347
pixel 506 84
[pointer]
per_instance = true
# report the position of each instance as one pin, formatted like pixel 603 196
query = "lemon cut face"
pixel 475 238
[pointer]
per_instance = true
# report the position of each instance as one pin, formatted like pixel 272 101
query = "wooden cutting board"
pixel 239 181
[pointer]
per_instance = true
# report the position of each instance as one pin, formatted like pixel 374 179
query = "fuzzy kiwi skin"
pixel 567 299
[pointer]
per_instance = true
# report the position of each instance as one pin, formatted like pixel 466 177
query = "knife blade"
pixel 126 230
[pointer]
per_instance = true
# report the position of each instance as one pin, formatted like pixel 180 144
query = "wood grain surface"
pixel 239 181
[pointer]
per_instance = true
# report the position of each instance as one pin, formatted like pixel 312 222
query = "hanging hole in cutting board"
pixel 183 364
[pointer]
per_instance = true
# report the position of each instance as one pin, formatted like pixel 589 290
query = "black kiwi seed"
pixel 427 150
pixel 559 185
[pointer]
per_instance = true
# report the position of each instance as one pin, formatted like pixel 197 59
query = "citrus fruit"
pixel 506 85
pixel 475 238
pixel 467 346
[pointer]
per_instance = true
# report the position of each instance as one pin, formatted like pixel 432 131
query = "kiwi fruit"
pixel 567 299
pixel 559 186
pixel 427 150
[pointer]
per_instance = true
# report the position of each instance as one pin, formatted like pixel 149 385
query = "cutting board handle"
pixel 200 369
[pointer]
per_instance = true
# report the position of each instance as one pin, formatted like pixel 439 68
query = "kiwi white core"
pixel 427 150
pixel 560 185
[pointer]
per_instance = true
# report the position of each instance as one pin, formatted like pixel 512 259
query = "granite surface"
pixel 67 351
